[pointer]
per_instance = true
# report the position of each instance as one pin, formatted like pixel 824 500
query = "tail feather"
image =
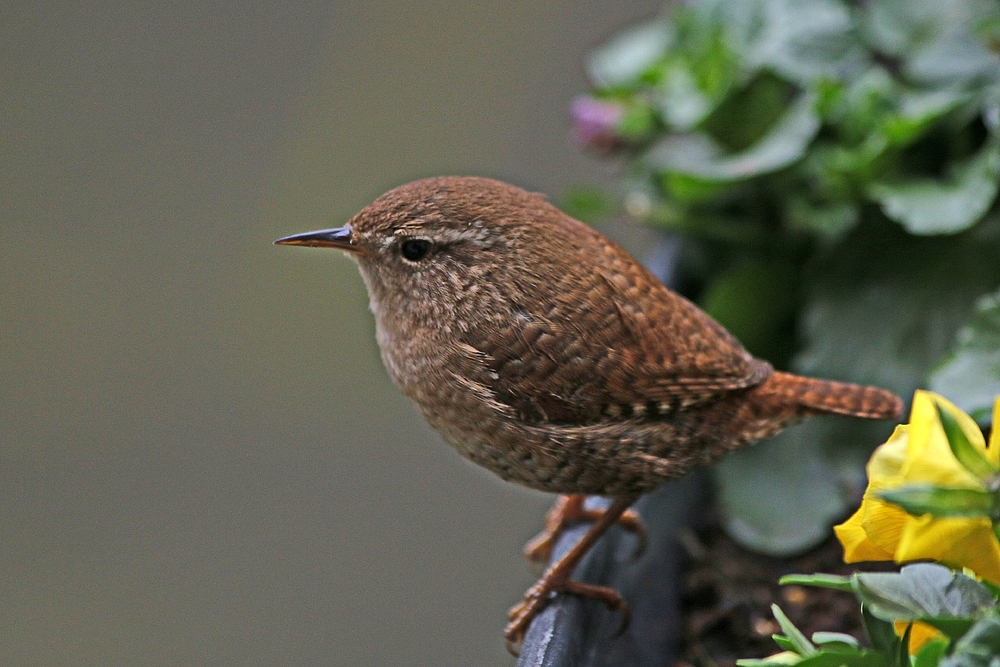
pixel 818 397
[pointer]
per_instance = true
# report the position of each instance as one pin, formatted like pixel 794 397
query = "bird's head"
pixel 438 247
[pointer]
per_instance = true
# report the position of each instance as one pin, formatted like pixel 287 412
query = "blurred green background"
pixel 202 460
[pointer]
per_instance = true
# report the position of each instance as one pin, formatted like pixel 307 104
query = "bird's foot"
pixel 538 597
pixel 570 509
pixel 557 579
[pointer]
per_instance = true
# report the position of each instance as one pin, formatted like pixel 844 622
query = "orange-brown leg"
pixel 557 579
pixel 569 509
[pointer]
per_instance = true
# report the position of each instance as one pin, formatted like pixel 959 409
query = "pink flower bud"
pixel 595 123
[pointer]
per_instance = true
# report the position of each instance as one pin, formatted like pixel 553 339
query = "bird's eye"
pixel 415 249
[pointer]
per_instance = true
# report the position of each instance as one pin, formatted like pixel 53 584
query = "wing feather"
pixel 612 335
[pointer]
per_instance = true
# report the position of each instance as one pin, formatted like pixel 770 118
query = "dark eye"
pixel 415 249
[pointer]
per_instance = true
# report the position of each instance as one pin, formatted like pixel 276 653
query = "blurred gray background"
pixel 202 461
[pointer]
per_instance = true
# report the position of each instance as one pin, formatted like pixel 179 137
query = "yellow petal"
pixel 857 546
pixel 955 541
pixel 929 459
pixel 873 531
pixel 887 460
pixel 919 635
pixel 918 453
pixel 883 522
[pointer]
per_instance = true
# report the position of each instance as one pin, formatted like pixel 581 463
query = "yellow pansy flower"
pixel 918 453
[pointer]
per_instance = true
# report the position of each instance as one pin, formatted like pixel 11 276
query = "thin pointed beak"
pixel 339 238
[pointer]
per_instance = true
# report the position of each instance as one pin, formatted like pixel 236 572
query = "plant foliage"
pixel 833 168
pixel 947 619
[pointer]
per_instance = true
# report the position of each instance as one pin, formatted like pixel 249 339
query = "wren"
pixel 541 350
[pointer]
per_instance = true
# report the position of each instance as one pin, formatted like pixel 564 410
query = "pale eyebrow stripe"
pixel 443 235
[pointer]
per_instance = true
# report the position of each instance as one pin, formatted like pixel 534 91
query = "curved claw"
pixel 520 615
pixel 569 509
pixel 514 648
pixel 539 597
pixel 538 550
pixel 626 620
pixel 609 596
pixel 565 510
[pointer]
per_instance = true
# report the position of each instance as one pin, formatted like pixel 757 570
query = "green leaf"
pixel 979 647
pixel 881 634
pixel 750 113
pixel 920 499
pixel 988 30
pixel 845 658
pixel 624 59
pixel 823 639
pixel 883 307
pixel 953 628
pixel 699 156
pixel 921 590
pixel 934 39
pixel 780 496
pixel 637 123
pixel 993 588
pixel 755 302
pixel 926 206
pixel 930 653
pixel 842 166
pixel 964 451
pixel 892 26
pixel 680 101
pixel 918 111
pixel 903 650
pixel 802 645
pixel 953 57
pixel 689 189
pixel 828 220
pixel 803 40
pixel 863 103
pixel 780 660
pixel 784 643
pixel 834 581
pixel 970 375
pixel 713 64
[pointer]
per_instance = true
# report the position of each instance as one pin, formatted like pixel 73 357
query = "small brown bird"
pixel 542 351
